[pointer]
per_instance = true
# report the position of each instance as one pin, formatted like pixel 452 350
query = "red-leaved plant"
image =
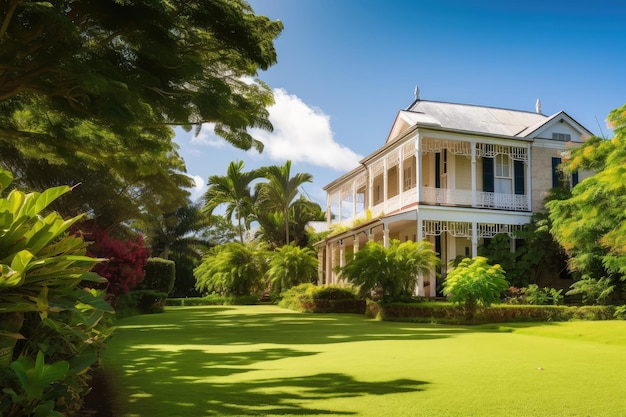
pixel 126 259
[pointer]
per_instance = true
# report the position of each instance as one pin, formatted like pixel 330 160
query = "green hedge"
pixel 443 312
pixel 213 300
pixel 160 275
pixel 141 301
pixel 309 298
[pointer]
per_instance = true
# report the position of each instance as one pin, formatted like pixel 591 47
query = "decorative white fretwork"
pixel 408 149
pixel 453 146
pixel 463 229
pixel 490 230
pixel 393 158
pixel 377 168
pixel 456 229
pixel 484 150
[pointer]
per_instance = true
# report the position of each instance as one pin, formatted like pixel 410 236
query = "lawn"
pixel 266 361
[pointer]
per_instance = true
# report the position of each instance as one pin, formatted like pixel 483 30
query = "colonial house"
pixel 453 174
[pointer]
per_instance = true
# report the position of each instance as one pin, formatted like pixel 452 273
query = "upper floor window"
pixel 565 137
pixel 408 178
pixel 503 178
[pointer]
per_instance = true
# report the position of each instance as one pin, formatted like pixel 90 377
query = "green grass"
pixel 265 361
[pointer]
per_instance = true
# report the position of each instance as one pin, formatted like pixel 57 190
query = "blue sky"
pixel 346 67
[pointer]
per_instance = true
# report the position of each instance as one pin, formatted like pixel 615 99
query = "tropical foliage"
pixel 232 269
pixel 45 313
pixel 290 266
pixel 124 259
pixel 89 93
pixel 232 190
pixel 591 224
pixel 475 282
pixel 390 273
pixel 280 191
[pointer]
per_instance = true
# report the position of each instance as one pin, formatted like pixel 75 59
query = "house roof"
pixel 472 118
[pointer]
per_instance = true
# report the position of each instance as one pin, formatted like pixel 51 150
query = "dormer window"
pixel 563 137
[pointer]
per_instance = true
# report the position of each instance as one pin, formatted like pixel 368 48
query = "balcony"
pixel 446 197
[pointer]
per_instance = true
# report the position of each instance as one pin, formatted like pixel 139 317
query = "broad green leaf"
pixel 44 199
pixel 21 260
pixel 81 363
pixel 5 179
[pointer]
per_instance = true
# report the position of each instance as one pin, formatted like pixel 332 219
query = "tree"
pixel 591 224
pixel 232 269
pixel 179 231
pixel 232 190
pixel 393 271
pixel 95 86
pixel 125 64
pixel 290 266
pixel 474 282
pixel 280 190
pixel 124 258
pixel 271 223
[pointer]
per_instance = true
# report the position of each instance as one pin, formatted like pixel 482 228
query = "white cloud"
pixel 199 187
pixel 303 134
pixel 206 137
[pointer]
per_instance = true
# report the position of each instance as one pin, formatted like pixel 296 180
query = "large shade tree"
pixel 591 224
pixel 98 84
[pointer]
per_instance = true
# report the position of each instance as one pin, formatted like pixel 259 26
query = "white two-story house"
pixel 452 174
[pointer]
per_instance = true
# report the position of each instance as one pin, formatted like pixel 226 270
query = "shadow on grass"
pixel 192 362
pixel 278 396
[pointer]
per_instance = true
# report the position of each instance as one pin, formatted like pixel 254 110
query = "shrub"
pixel 474 282
pixel 593 291
pixel 232 269
pixel 291 265
pixel 540 296
pixel 308 298
pixel 391 272
pixel 125 259
pixel 141 301
pixel 160 275
pixel 46 316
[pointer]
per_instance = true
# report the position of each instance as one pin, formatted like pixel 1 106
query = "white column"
pixel 355 244
pixel 321 267
pixel 385 235
pixel 474 239
pixel 370 189
pixel 340 207
pixel 385 184
pixel 418 168
pixel 370 235
pixel 353 200
pixel 331 264
pixel 473 174
pixel 401 175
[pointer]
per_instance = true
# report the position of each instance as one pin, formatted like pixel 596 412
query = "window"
pixel 565 137
pixel 408 178
pixel 377 197
pixel 503 177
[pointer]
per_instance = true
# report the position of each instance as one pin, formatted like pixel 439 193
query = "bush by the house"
pixel 309 298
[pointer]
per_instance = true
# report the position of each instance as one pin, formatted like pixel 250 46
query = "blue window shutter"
pixel 518 177
pixel 488 183
pixel 556 173
pixel 574 178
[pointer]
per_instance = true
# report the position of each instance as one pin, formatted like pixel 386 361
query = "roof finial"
pixel 417 92
pixel 538 106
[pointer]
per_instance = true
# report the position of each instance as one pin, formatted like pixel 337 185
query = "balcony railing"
pixel 446 197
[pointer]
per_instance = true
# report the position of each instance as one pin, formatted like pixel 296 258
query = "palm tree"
pixel 233 190
pixel 280 190
pixel 179 232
